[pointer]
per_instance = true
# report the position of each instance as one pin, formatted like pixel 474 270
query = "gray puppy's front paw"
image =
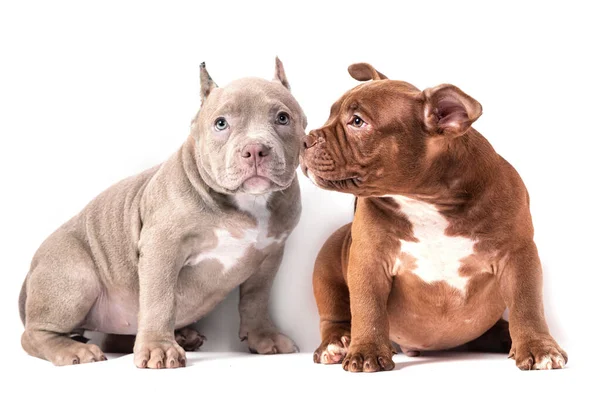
pixel 157 354
pixel 270 343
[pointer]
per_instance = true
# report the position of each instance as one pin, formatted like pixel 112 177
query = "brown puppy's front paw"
pixel 540 352
pixel 270 343
pixel 189 338
pixel 369 357
pixel 157 354
pixel 332 351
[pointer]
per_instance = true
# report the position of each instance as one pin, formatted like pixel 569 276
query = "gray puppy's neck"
pixel 196 177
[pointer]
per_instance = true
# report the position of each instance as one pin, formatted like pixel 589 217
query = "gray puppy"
pixel 157 251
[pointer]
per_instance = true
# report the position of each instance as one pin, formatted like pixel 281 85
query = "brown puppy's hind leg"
pixel 520 279
pixel 494 340
pixel 333 299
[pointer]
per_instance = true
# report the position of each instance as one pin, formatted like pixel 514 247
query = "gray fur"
pixel 148 255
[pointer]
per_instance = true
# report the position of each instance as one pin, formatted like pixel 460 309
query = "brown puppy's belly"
pixel 436 316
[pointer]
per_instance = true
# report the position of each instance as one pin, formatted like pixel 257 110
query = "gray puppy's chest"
pixel 232 243
pixel 229 253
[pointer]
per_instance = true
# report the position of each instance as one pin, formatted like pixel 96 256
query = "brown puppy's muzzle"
pixel 314 155
pixel 309 141
pixel 325 163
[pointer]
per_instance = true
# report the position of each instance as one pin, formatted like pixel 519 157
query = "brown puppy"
pixel 442 238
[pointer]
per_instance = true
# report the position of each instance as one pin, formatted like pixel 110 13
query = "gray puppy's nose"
pixel 255 154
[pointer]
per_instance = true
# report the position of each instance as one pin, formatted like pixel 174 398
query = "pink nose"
pixel 255 154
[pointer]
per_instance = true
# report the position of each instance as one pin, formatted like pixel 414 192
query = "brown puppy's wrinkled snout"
pixel 255 154
pixel 309 140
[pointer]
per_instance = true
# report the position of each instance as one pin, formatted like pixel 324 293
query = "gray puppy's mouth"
pixel 264 183
pixel 256 185
pixel 256 179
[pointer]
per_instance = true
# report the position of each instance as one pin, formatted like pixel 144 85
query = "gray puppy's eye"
pixel 283 118
pixel 221 124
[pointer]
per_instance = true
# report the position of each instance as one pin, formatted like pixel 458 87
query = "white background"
pixel 94 92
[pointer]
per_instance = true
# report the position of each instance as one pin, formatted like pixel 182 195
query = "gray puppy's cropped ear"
pixel 206 83
pixel 365 72
pixel 280 74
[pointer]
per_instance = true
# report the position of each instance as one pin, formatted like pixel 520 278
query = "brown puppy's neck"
pixel 457 171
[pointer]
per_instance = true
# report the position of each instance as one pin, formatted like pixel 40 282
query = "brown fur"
pixel 420 144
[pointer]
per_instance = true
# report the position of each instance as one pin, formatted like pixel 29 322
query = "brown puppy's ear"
pixel 280 74
pixel 365 72
pixel 206 83
pixel 449 111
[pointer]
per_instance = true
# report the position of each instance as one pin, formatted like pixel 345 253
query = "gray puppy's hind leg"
pixel 189 338
pixel 59 292
pixel 122 344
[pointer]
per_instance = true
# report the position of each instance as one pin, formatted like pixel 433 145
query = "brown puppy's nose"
pixel 309 141
pixel 255 154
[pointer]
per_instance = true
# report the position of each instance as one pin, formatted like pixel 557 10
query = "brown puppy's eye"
pixel 283 118
pixel 357 121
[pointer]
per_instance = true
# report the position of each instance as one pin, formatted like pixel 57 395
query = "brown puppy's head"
pixel 381 136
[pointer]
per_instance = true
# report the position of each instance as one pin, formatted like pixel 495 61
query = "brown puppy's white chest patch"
pixel 438 257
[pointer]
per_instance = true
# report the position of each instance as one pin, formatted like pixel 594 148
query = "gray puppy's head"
pixel 248 134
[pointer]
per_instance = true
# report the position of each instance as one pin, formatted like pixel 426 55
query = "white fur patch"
pixel 545 363
pixel 333 354
pixel 231 249
pixel 257 207
pixel 438 256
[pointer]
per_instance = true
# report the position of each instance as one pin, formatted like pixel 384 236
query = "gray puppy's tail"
pixel 22 299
